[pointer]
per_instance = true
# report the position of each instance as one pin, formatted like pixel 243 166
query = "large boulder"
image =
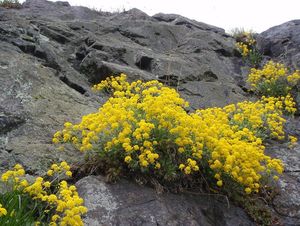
pixel 129 204
pixel 282 43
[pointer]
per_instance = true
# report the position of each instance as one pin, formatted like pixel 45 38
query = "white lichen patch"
pixel 98 198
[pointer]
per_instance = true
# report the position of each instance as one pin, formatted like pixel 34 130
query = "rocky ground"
pixel 52 53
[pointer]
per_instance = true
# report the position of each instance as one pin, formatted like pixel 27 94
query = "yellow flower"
pixel 157 165
pixel 69 173
pixel 18 167
pixel 65 166
pixel 128 159
pixel 55 217
pixel 3 211
pixel 55 167
pixel 217 176
pixel 47 184
pixel 144 163
pixel 248 190
pixel 180 150
pixel 181 166
pixel 55 140
pixel 24 183
pixel 220 183
pixel 50 173
pixel 187 170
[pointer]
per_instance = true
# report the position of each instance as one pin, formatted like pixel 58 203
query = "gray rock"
pixel 126 203
pixel 34 103
pixel 282 43
pixel 99 44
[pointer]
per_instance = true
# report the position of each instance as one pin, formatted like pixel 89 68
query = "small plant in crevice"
pixel 293 141
pixel 256 206
pixel 47 200
pixel 246 45
pixel 11 4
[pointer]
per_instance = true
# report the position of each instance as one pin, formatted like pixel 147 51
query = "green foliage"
pixel 273 88
pixel 254 57
pixel 256 206
pixel 47 200
pixel 22 210
pixel 13 4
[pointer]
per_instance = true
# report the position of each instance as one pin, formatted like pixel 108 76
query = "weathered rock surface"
pixel 286 204
pixel 51 54
pixel 123 203
pixel 34 102
pixel 282 43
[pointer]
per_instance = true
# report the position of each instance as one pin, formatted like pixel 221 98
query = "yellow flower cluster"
pixel 275 107
pixel 243 48
pixel 63 201
pixel 289 103
pixel 271 72
pixel 111 84
pixel 293 141
pixel 129 120
pixel 189 167
pixel 234 137
pixel 294 78
pixel 68 204
pixel 273 79
pixel 146 126
pixel 246 43
pixel 63 167
pixel 14 174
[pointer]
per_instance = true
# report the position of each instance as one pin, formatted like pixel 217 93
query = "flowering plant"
pixel 246 45
pixel 144 128
pixel 273 79
pixel 46 200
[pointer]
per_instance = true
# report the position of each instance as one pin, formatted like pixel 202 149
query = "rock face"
pixel 282 43
pixel 52 53
pixel 34 102
pixel 196 58
pixel 123 204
